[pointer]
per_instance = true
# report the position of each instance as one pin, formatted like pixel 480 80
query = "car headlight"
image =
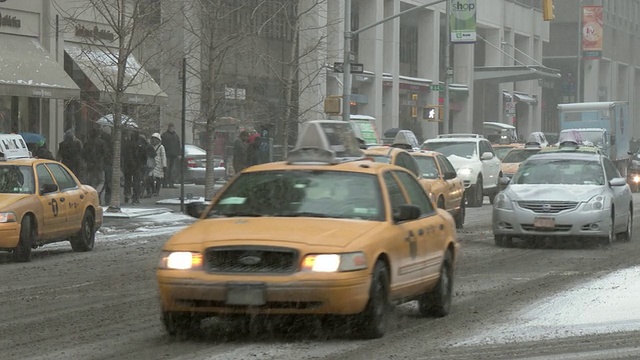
pixel 595 203
pixel 465 172
pixel 7 217
pixel 636 178
pixel 334 262
pixel 502 201
pixel 180 260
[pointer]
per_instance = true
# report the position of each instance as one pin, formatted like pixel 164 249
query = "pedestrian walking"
pixel 133 159
pixel 253 150
pixel 160 163
pixel 94 152
pixel 105 134
pixel 173 149
pixel 147 167
pixel 240 152
pixel 70 153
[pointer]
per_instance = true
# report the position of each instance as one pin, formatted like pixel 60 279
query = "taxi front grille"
pixel 251 260
pixel 549 207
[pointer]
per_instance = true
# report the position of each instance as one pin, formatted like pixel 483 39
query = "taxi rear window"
pixel 16 179
pixel 301 193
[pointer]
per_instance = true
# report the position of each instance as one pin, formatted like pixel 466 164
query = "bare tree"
pixel 302 68
pixel 131 22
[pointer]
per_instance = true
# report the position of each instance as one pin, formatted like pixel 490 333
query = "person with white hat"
pixel 161 163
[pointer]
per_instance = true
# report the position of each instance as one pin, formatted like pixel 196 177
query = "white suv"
pixel 477 165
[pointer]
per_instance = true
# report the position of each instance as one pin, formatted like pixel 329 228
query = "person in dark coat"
pixel 173 149
pixel 133 160
pixel 42 152
pixel 105 134
pixel 253 150
pixel 240 152
pixel 95 151
pixel 70 152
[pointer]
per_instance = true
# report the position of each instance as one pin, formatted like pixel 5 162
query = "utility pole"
pixel 579 70
pixel 184 130
pixel 348 37
pixel 447 65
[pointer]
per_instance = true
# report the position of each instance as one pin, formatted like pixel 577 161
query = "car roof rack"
pixel 475 136
pixel 13 146
pixel 326 142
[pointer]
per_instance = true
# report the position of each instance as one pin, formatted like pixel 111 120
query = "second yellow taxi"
pixel 326 232
pixel 42 202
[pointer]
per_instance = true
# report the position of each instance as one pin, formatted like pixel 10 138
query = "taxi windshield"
pixel 300 193
pixel 16 179
pixel 518 155
pixel 501 151
pixel 428 167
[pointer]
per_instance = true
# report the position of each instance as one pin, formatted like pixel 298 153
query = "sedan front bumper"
pixel 525 223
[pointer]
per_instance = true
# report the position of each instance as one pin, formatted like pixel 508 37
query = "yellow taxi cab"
pixel 41 202
pixel 441 181
pixel 326 232
pixel 502 149
pixel 445 189
pixel 516 156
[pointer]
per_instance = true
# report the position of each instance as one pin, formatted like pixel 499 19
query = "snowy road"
pixel 560 303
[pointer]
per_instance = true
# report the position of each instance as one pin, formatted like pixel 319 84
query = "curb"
pixel 130 213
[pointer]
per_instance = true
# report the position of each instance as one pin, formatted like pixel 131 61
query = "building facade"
pixel 404 58
pixel 611 75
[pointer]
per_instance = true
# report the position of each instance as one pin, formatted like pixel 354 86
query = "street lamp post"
pixel 348 37
pixel 447 65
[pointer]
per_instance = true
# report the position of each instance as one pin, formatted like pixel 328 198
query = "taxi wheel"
pixel 22 252
pixel 85 239
pixel 438 302
pixel 459 219
pixel 372 322
pixel 180 324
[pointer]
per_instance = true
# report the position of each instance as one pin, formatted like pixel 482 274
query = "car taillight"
pixel 191 163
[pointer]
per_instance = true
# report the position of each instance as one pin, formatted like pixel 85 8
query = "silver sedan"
pixel 564 195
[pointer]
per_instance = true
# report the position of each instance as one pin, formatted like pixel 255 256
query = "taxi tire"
pixel 372 322
pixel 459 218
pixel 476 195
pixel 22 252
pixel 437 303
pixel 86 238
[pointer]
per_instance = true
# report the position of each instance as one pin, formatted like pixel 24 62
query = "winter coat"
pixel 239 155
pixel 171 143
pixel 95 153
pixel 161 161
pixel 70 153
pixel 43 153
pixel 134 155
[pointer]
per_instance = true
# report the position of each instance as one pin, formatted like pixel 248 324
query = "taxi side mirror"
pixel 48 188
pixel 195 209
pixel 406 213
pixel 448 175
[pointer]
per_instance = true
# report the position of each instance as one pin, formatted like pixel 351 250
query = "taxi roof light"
pixel 405 139
pixel 446 136
pixel 13 146
pixel 326 142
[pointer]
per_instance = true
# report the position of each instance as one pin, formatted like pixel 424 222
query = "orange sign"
pixel 592 26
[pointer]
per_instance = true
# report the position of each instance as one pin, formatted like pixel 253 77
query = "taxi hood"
pixel 6 200
pixel 270 230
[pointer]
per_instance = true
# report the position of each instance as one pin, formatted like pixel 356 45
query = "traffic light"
pixel 548 10
pixel 431 113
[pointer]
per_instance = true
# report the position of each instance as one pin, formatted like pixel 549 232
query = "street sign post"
pixel 338 67
pixel 436 87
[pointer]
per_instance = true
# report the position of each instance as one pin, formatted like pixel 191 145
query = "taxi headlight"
pixel 180 260
pixel 7 217
pixel 595 203
pixel 636 178
pixel 465 172
pixel 334 262
pixel 502 201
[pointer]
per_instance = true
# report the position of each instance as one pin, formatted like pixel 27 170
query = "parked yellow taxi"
pixel 501 150
pixel 516 156
pixel 42 202
pixel 324 233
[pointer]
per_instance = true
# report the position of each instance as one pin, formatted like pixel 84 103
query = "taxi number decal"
pixel 54 207
pixel 413 245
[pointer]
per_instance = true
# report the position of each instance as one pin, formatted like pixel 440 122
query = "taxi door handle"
pixel 81 196
pixel 420 232
pixel 61 199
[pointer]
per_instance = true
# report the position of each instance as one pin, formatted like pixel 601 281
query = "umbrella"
pixel 32 138
pixel 125 120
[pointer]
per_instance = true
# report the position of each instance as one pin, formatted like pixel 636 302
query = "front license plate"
pixel 544 222
pixel 246 294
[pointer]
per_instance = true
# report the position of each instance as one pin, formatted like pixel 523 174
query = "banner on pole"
pixel 592 26
pixel 462 21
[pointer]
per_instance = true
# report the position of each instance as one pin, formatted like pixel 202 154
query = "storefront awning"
pixel 27 69
pixel 520 97
pixel 503 74
pixel 100 66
